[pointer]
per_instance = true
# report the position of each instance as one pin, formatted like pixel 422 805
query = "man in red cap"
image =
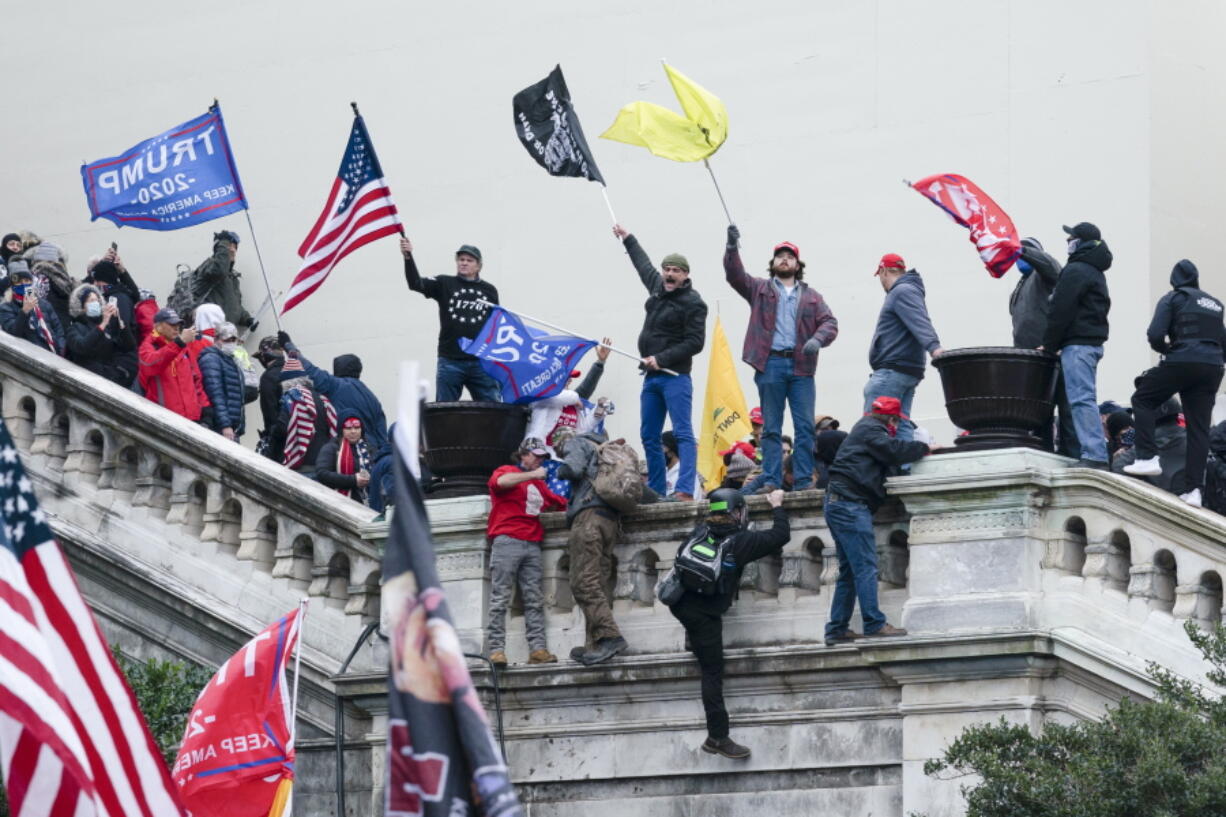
pixel 903 334
pixel 789 322
pixel 872 451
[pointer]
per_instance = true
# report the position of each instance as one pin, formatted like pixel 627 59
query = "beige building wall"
pixel 1103 111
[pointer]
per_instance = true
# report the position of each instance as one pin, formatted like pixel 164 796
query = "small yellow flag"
pixel 689 138
pixel 725 418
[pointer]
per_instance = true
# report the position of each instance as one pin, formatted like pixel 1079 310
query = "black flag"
pixel 546 124
pixel 442 759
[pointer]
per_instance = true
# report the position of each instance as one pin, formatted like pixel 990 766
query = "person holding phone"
pixel 23 315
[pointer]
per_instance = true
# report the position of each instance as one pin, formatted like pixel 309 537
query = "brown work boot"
pixel 542 656
pixel 887 630
pixel 726 747
pixel 498 659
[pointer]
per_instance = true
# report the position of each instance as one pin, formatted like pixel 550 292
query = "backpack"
pixel 704 565
pixel 618 481
pixel 188 291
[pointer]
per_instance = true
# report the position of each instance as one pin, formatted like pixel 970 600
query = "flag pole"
pixel 302 611
pixel 621 352
pixel 718 192
pixel 604 191
pixel 276 317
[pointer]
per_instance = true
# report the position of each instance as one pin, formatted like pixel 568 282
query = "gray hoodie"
pixel 904 331
pixel 1032 295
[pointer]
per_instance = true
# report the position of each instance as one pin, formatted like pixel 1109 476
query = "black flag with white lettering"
pixel 546 124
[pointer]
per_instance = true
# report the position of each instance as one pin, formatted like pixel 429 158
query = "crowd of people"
pixel 188 356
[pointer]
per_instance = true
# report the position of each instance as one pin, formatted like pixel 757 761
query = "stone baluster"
pixel 215 497
pixel 1153 582
pixel 20 407
pixel 330 574
pixel 295 554
pixel 642 576
pixel 49 434
pixel 1107 564
pixel 1199 602
pixel 364 595
pixel 181 497
pixel 555 567
pixel 257 538
pixel 83 460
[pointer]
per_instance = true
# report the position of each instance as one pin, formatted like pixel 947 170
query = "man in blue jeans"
pixel 463 305
pixel 904 333
pixel 674 331
pixel 872 451
pixel 789 323
pixel 1076 330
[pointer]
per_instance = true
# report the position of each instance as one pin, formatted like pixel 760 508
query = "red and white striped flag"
pixel 72 741
pixel 359 210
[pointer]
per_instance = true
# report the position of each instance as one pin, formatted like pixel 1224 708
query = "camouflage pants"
pixel 592 536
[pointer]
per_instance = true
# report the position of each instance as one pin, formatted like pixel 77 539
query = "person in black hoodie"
pixel 461 314
pixel 98 338
pixel 1076 330
pixel 702 616
pixel 1188 331
pixel 346 390
pixel 272 357
pixel 673 333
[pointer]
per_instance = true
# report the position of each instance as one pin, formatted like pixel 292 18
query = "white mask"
pixel 227 347
pixel 1073 243
pixel 93 309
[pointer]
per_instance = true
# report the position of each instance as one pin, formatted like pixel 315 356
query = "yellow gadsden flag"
pixel 689 138
pixel 725 419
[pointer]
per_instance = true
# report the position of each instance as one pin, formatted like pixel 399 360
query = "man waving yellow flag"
pixel 725 418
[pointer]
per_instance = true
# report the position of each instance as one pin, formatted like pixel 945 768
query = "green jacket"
pixel 220 285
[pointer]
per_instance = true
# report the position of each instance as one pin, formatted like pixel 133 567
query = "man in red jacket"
pixel 168 375
pixel 518 494
pixel 789 322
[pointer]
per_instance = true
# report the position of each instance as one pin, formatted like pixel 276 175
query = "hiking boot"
pixel 498 658
pixel 576 653
pixel 763 491
pixel 1097 465
pixel 845 637
pixel 1144 468
pixel 886 630
pixel 1192 497
pixel 726 747
pixel 542 656
pixel 605 649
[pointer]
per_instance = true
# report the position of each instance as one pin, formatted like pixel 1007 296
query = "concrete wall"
pixel 1099 110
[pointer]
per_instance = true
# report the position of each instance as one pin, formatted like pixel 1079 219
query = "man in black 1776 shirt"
pixel 460 315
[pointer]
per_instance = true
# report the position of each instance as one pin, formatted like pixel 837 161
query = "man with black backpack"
pixel 707 571
pixel 215 282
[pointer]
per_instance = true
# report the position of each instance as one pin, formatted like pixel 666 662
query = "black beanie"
pixel 105 272
pixel 5 252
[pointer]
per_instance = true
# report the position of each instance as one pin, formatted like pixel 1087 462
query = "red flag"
pixel 238 750
pixel 992 231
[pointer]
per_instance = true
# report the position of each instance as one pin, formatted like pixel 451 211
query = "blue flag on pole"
pixel 530 364
pixel 179 178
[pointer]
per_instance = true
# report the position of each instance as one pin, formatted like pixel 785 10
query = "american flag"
pixel 359 210
pixel 72 740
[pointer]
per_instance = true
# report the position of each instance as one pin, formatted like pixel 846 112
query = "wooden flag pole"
pixel 718 192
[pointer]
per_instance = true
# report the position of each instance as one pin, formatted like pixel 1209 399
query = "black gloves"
pixel 734 237
pixel 283 339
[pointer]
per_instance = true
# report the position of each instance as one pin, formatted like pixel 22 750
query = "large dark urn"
pixel 464 442
pixel 1001 395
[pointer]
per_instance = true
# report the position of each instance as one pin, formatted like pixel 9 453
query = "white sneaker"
pixel 1144 468
pixel 1192 497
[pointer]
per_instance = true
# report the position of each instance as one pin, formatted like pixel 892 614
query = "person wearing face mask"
pixel 98 339
pixel 789 323
pixel 461 314
pixel 168 375
pixel 205 319
pixel 674 331
pixel 23 315
pixel 271 356
pixel 1076 330
pixel 223 382
pixel 10 246
pixel 114 281
pixel 1030 299
pixel 344 462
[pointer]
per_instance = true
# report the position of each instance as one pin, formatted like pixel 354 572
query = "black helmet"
pixel 729 501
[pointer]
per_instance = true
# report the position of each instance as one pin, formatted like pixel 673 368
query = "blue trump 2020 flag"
pixel 179 178
pixel 530 364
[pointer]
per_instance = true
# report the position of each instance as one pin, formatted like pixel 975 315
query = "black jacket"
pixel 25 325
pixel 110 354
pixel 459 314
pixel 326 473
pixel 747 546
pixel 1031 298
pixel 676 326
pixel 1080 303
pixel 270 393
pixel 866 458
pixel 1203 338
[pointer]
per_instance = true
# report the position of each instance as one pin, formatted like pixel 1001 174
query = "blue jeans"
pixel 775 385
pixel 673 394
pixel 453 375
pixel 1079 370
pixel 891 383
pixel 851 523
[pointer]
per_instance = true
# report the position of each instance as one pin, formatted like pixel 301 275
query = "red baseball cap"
pixel 755 415
pixel 891 261
pixel 889 405
pixel 742 446
pixel 789 246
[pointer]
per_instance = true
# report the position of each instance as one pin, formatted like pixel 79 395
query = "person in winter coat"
pixel 903 334
pixel 346 390
pixel 873 450
pixel 1188 331
pixel 829 441
pixel 223 382
pixel 220 283
pixel 789 323
pixel 1215 470
pixel 49 266
pixel 272 357
pixel 98 339
pixel 305 423
pixel 344 463
pixel 1076 330
pixel 702 616
pixel 23 315
pixel 674 331
pixel 168 375
pixel 1171 441
pixel 1030 300
pixel 461 314
pixel 206 319
pixel 10 247
pixel 114 281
